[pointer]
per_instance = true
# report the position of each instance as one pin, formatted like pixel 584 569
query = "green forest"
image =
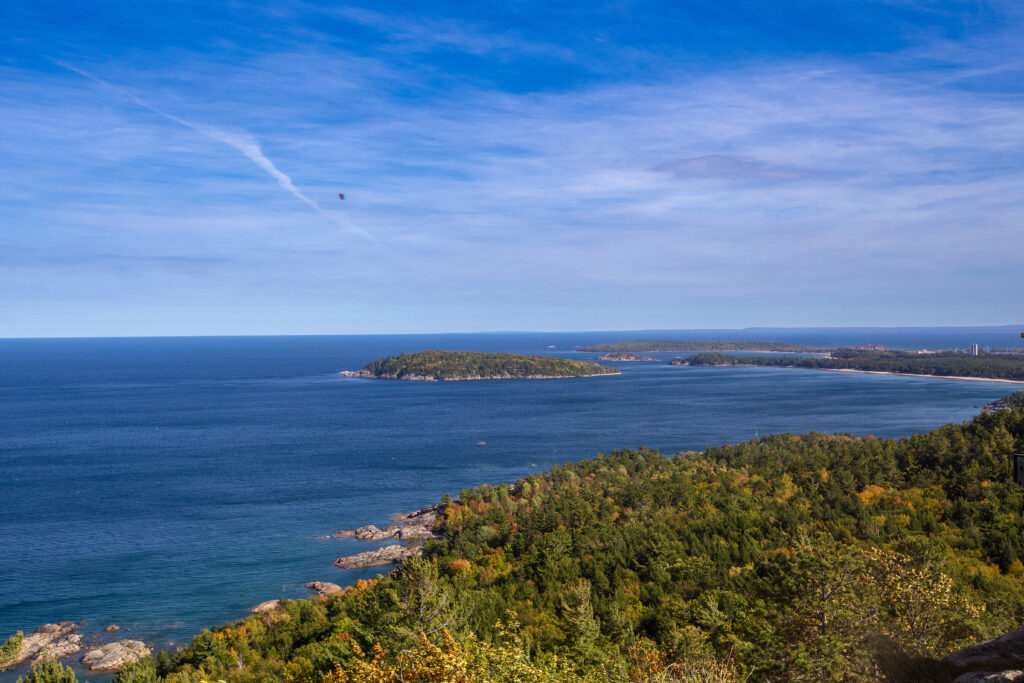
pixel 681 345
pixel 944 363
pixel 456 365
pixel 826 557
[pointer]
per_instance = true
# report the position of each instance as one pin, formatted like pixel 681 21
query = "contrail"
pixel 243 142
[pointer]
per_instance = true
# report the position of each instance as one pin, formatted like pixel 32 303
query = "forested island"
pixel 622 356
pixel 790 557
pixel 940 364
pixel 682 345
pixel 436 366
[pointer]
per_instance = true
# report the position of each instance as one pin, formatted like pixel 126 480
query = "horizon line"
pixel 485 332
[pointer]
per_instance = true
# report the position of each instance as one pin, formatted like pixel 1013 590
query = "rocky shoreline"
pixel 391 554
pixel 418 525
pixel 60 641
pixel 363 374
pixel 997 405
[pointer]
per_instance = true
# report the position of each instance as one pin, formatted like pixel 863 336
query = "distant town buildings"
pixel 871 347
pixel 974 349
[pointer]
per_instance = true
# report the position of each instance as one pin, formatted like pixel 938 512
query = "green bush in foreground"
pixel 10 649
pixel 49 671
pixel 143 671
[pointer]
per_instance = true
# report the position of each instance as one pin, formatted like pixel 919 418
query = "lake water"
pixel 167 484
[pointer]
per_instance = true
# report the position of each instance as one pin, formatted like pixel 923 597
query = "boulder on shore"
pixel 324 588
pixel 113 656
pixel 392 554
pixel 55 641
pixel 266 606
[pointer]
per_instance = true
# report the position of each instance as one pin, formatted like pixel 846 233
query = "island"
pixel 623 357
pixel 951 364
pixel 441 366
pixel 685 345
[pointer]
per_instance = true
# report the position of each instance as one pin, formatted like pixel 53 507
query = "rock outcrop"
pixel 998 677
pixel 425 516
pixel 266 606
pixel 407 525
pixel 113 656
pixel 413 531
pixel 372 533
pixel 324 588
pixel 55 641
pixel 1003 655
pixel 392 554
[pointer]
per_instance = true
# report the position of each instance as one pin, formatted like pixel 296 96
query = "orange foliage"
pixel 459 566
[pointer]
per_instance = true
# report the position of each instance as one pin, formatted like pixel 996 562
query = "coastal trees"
pixel 142 671
pixel 47 670
pixel 945 363
pixel 10 649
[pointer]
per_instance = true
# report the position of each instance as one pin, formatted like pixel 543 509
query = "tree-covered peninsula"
pixel 941 364
pixel 684 345
pixel 818 557
pixel 433 366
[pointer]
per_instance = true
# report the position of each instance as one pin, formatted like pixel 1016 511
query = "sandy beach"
pixel 910 374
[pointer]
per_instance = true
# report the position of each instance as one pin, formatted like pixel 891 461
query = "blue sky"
pixel 174 167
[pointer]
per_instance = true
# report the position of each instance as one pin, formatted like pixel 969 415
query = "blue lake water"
pixel 168 484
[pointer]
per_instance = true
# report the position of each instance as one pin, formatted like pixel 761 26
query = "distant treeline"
pixel 454 365
pixel 681 345
pixel 945 363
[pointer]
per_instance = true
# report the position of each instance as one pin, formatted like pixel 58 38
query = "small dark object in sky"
pixel 341 196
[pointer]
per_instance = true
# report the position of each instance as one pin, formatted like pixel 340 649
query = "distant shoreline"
pixel 910 374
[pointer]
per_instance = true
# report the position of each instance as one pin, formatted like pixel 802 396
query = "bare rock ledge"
pixel 392 554
pixel 324 589
pixel 55 641
pixel 113 656
pixel 372 533
pixel 266 606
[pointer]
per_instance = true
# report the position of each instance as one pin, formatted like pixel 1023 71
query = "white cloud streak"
pixel 243 142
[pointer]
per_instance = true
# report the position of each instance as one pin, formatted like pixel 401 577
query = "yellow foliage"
pixel 870 493
pixel 451 662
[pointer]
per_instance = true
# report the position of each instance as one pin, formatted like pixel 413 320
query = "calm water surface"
pixel 170 484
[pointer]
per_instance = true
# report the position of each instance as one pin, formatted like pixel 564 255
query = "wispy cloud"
pixel 749 185
pixel 725 166
pixel 245 143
